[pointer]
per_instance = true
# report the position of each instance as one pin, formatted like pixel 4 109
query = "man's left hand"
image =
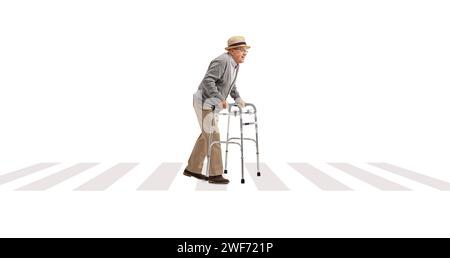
pixel 241 103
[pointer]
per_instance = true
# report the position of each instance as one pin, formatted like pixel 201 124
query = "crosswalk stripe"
pixel 54 179
pixel 162 177
pixel 107 178
pixel 319 178
pixel 423 179
pixel 370 178
pixel 268 181
pixel 24 172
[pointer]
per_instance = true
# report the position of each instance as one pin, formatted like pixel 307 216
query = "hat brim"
pixel 238 46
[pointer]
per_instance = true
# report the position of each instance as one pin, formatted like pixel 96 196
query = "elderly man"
pixel 218 83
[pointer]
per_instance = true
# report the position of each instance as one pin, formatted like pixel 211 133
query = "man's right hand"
pixel 224 104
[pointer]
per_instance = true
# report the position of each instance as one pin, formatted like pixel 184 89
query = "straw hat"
pixel 236 41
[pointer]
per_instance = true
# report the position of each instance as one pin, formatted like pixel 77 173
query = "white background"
pixel 112 81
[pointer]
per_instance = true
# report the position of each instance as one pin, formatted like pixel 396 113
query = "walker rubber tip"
pixel 225 171
pixel 258 174
pixel 242 181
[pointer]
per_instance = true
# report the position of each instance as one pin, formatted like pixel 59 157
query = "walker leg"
pixel 210 135
pixel 208 159
pixel 257 147
pixel 242 148
pixel 228 136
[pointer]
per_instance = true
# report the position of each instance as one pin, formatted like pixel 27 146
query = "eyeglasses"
pixel 244 50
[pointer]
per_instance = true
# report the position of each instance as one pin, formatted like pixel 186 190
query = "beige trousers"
pixel 207 122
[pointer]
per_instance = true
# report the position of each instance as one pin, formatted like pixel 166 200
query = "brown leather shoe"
pixel 218 180
pixel 196 175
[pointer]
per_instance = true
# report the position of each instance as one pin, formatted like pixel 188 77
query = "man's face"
pixel 238 54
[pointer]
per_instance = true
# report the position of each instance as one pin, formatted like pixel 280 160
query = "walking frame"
pixel 240 142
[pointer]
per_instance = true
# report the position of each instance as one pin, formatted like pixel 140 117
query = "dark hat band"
pixel 237 44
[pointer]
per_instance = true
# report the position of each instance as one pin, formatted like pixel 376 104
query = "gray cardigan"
pixel 218 82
